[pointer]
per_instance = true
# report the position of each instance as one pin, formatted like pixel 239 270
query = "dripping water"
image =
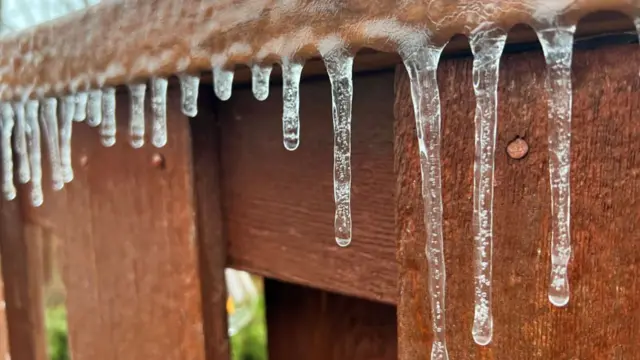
pixel 291 73
pixel 136 121
pixel 222 82
pixel 49 126
pixel 557 44
pixel 108 125
pixel 8 187
pixel 20 128
pixel 422 66
pixel 487 46
pixel 81 106
pixel 159 111
pixel 189 86
pixel 35 152
pixel 339 63
pixel 94 108
pixel 260 75
pixel 67 113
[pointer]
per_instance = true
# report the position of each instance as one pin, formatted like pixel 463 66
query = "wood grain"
pixel 4 337
pixel 304 323
pixel 603 316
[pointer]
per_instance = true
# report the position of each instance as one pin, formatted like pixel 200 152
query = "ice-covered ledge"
pixel 117 42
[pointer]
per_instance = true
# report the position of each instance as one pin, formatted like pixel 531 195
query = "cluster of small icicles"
pixel 25 122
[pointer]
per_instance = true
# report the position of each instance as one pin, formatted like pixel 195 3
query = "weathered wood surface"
pixel 4 336
pixel 310 324
pixel 602 319
pixel 120 41
pixel 129 245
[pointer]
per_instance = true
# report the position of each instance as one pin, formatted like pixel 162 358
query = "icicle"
pixel 189 86
pixel 49 125
pixel 94 108
pixel 136 121
pixel 35 152
pixel 222 83
pixel 557 44
pixel 8 187
pixel 159 110
pixel 108 126
pixel 260 81
pixel 67 113
pixel 487 46
pixel 422 66
pixel 291 73
pixel 24 173
pixel 339 63
pixel 81 107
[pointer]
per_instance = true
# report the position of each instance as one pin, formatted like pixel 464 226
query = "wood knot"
pixel 517 149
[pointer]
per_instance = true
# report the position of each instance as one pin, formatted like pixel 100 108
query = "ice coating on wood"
pixel 339 63
pixel 20 129
pixel 35 152
pixel 8 187
pixel 422 66
pixel 487 45
pixel 81 106
pixel 67 113
pixel 291 73
pixel 189 86
pixel 159 111
pixel 136 119
pixel 557 44
pixel 260 75
pixel 49 127
pixel 108 125
pixel 94 108
pixel 222 82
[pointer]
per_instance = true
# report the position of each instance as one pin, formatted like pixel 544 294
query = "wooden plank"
pixel 129 246
pixel 211 242
pixel 603 316
pixel 4 337
pixel 305 323
pixel 279 204
pixel 21 254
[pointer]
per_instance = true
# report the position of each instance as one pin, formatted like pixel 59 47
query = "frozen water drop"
pixel 8 187
pixel 291 73
pixel 49 126
pixel 260 81
pixel 81 106
pixel 136 121
pixel 159 110
pixel 222 83
pixel 487 45
pixel 557 45
pixel 94 108
pixel 35 152
pixel 108 126
pixel 422 66
pixel 339 63
pixel 20 129
pixel 67 113
pixel 189 86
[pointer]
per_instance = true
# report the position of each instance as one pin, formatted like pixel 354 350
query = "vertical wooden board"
pixel 4 336
pixel 603 315
pixel 310 324
pixel 129 244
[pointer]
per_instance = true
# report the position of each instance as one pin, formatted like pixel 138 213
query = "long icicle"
pixel 557 44
pixel 108 113
pixel 422 66
pixel 66 125
pixel 487 45
pixel 49 126
pixel 339 63
pixel 136 120
pixel 35 152
pixel 189 86
pixel 94 108
pixel 291 73
pixel 20 129
pixel 159 110
pixel 8 186
pixel 260 75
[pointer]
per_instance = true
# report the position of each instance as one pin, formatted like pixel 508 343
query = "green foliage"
pixel 56 322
